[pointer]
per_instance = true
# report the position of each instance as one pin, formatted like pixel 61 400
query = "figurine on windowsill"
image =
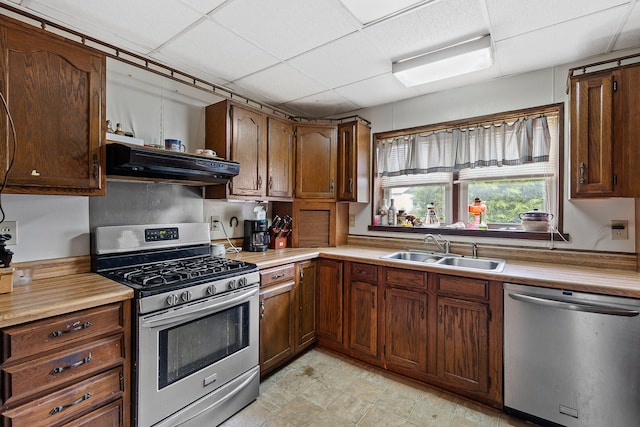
pixel 479 210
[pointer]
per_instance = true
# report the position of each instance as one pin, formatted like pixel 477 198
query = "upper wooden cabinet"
pixel 354 170
pixel 316 152
pixel 604 111
pixel 279 159
pixel 54 90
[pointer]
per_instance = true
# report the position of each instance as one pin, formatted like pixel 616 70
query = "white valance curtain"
pixel 523 141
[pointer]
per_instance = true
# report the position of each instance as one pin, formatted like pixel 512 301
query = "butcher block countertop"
pixel 58 295
pixel 576 278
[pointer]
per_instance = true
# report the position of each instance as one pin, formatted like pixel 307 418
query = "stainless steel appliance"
pixel 256 235
pixel 136 162
pixel 571 358
pixel 195 324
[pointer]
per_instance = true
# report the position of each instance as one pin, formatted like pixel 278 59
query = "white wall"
pixel 587 221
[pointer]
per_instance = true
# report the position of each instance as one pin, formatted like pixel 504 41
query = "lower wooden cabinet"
pixel 287 313
pixel 329 303
pixel 71 369
pixel 406 336
pixel 363 318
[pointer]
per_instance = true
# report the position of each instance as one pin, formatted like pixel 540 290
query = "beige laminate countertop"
pixel 59 295
pixel 576 278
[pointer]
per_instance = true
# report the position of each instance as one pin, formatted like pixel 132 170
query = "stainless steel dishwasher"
pixel 571 358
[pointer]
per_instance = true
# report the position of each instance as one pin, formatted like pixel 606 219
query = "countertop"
pixel 59 295
pixel 576 278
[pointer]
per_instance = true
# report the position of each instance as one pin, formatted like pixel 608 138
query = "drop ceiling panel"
pixel 287 28
pixel 203 6
pixel 324 104
pixel 433 26
pixel 344 61
pixel 589 36
pixel 508 21
pixel 367 11
pixel 281 83
pixel 213 49
pixel 145 23
pixel 630 35
pixel 376 91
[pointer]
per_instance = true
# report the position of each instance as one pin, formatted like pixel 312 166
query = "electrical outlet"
pixel 215 223
pixel 619 229
pixel 10 227
pixel 352 220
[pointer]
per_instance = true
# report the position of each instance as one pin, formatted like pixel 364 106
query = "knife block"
pixel 277 242
pixel 6 280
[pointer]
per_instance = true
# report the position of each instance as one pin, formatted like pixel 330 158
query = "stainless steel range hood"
pixel 136 163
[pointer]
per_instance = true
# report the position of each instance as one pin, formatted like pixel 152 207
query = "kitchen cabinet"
pixel 279 159
pixel 363 309
pixel 69 369
pixel 239 134
pixel 604 107
pixel 54 90
pixel 315 161
pixel 306 297
pixel 354 170
pixel 329 304
pixel 287 313
pixel 277 315
pixel 468 337
pixel 406 316
pixel 315 223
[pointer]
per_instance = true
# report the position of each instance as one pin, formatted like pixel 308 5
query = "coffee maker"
pixel 256 235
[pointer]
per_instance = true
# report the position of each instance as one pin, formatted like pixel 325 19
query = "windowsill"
pixel 506 234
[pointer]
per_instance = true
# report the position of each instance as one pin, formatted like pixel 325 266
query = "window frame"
pixel 378 192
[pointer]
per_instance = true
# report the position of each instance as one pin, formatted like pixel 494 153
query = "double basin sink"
pixel 448 260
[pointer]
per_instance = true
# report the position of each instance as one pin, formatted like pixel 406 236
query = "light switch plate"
pixel 352 220
pixel 619 229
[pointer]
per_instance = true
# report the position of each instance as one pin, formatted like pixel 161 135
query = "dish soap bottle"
pixel 392 214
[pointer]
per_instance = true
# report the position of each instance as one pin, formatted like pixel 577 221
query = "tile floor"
pixel 322 388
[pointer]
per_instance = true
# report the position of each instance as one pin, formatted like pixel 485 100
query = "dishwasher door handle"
pixel 575 305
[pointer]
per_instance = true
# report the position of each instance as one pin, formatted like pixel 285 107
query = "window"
pixel 510 161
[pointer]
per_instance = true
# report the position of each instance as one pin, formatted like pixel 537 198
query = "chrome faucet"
pixel 447 244
pixel 474 249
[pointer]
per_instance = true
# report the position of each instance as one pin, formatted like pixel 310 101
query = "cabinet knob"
pixel 350 185
pixel 259 182
pixel 270 182
pixel 262 309
pixel 35 173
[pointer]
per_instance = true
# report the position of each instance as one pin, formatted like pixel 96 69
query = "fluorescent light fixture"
pixel 456 60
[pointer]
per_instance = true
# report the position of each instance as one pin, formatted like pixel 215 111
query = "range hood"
pixel 137 163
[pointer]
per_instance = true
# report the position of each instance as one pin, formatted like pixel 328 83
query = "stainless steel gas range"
pixel 195 325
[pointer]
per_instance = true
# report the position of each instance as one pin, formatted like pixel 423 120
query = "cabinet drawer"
pixel 364 272
pixel 277 275
pixel 406 278
pixel 464 286
pixel 108 416
pixel 28 378
pixel 43 335
pixel 57 408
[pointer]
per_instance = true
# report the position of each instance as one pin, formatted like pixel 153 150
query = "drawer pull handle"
pixel 362 272
pixel 55 334
pixel 60 369
pixel 277 276
pixel 75 402
pixel 262 309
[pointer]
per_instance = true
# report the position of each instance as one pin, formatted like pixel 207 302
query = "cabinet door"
pixel 306 304
pixel 593 162
pixel 54 90
pixel 353 162
pixel 406 329
pixel 329 297
pixel 276 325
pixel 316 162
pixel 363 318
pixel 248 148
pixel 462 343
pixel 280 159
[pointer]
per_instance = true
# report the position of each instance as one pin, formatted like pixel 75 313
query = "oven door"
pixel 189 351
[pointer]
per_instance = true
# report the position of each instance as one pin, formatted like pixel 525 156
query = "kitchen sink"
pixel 448 260
pixel 415 256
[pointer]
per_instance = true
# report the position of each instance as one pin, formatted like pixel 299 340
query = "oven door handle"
pixel 213 306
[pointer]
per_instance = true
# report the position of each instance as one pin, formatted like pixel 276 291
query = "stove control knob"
pixel 211 290
pixel 172 299
pixel 231 284
pixel 242 282
pixel 186 296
